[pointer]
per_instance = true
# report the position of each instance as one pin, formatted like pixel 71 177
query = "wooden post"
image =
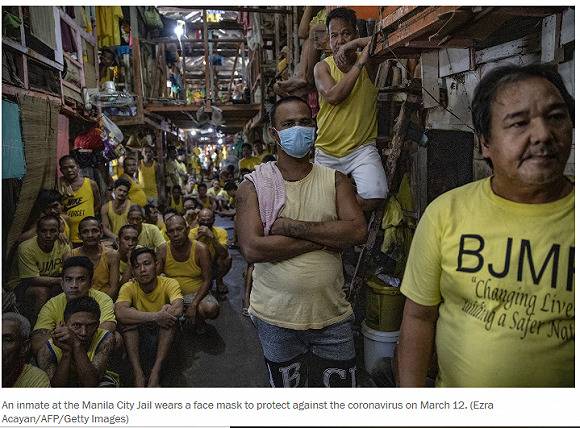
pixel 207 64
pixel 137 79
pixel 241 46
pixel 296 51
pixel 290 57
pixel 277 36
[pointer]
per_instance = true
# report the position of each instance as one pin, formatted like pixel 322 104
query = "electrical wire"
pixel 461 122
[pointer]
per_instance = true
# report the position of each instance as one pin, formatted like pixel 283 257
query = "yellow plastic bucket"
pixel 384 306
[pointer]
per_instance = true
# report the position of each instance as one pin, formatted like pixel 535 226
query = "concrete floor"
pixel 229 353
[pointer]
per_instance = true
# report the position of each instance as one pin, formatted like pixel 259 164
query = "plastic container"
pixel 384 306
pixel 377 345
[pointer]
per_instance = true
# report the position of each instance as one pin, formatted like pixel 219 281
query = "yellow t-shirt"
pixel 358 110
pixel 503 275
pixel 148 176
pixel 219 232
pixel 187 273
pixel 102 269
pixel 150 236
pixel 207 203
pixel 137 192
pixel 78 206
pixel 53 311
pixel 304 292
pixel 212 192
pixel 117 221
pixel 33 262
pixel 32 377
pixel 249 163
pixel 166 291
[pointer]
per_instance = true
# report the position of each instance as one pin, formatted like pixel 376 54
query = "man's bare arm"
pixel 128 315
pixel 416 343
pixel 255 247
pixel 90 373
pixel 96 197
pixel 350 228
pixel 105 221
pixel 332 91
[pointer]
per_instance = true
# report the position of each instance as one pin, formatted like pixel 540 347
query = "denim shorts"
pixel 280 344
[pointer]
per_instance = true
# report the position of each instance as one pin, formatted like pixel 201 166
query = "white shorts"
pixel 365 166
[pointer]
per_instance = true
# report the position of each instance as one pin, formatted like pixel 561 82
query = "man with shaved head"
pixel 189 262
pixel 216 240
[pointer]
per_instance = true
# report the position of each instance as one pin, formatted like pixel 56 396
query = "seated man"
pixel 189 262
pixel 153 216
pixel 216 240
pixel 105 260
pixel 176 199
pixel 215 187
pixel 114 213
pixel 50 202
pixel 40 264
pixel 149 235
pixel 16 372
pixel 248 161
pixel 203 198
pixel 148 308
pixel 77 275
pixel 78 352
pixel 228 200
pixel 192 209
pixel 128 237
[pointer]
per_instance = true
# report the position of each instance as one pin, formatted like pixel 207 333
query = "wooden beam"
pixel 398 14
pixel 207 65
pixel 187 9
pixel 234 71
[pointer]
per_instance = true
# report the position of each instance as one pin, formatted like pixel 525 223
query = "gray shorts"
pixel 279 344
pixel 188 298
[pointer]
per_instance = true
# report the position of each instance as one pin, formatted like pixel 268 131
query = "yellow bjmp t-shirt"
pixel 148 176
pixel 101 274
pixel 249 163
pixel 78 206
pixel 187 273
pixel 166 291
pixel 219 232
pixel 53 311
pixel 150 236
pixel 503 275
pixel 304 292
pixel 32 377
pixel 357 113
pixel 33 262
pixel 137 192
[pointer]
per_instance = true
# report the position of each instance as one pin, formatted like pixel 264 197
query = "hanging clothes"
pixel 13 163
pixel 108 32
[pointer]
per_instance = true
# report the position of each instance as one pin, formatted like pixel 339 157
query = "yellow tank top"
pixel 117 221
pixel 78 206
pixel 357 113
pixel 122 266
pixel 148 176
pixel 177 207
pixel 101 272
pixel 187 273
pixel 206 203
pixel 136 193
pixel 304 292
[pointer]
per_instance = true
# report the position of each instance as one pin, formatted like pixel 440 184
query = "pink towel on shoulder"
pixel 269 184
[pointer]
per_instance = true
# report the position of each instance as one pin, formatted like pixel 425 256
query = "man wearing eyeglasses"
pixel 347 120
pixel 297 303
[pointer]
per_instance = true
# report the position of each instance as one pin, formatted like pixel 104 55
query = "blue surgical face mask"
pixel 297 141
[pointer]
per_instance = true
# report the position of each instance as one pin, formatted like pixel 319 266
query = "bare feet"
pixel 293 86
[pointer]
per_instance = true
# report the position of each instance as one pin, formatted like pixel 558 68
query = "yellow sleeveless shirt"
pixel 117 221
pixel 187 273
pixel 78 206
pixel 177 207
pixel 344 127
pixel 136 193
pixel 101 272
pixel 148 176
